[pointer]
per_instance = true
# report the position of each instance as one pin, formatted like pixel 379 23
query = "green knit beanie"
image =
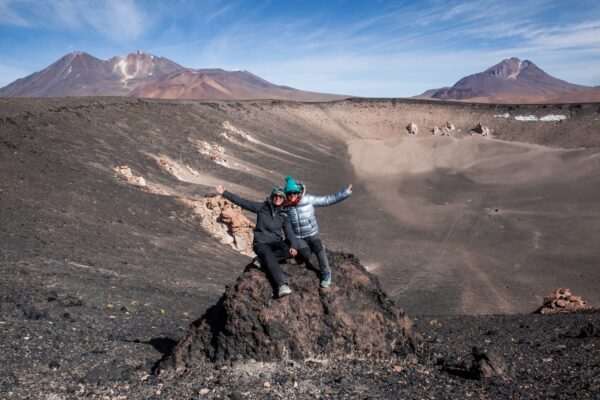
pixel 277 190
pixel 291 186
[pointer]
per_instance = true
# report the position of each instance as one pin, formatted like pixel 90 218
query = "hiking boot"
pixel 256 262
pixel 326 281
pixel 283 290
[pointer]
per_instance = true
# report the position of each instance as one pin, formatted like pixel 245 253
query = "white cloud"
pixel 118 20
pixel 579 35
pixel 9 16
pixel 395 49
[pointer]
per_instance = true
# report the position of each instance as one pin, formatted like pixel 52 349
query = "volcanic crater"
pixel 110 250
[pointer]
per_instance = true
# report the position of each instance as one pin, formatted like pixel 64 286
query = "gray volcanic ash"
pixel 110 246
pixel 142 74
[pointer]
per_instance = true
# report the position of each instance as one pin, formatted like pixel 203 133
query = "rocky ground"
pixel 63 344
pixel 106 260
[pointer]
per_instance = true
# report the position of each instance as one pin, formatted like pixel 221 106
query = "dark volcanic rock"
pixel 354 316
pixel 488 364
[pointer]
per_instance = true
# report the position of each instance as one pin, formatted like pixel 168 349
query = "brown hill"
pixel 514 81
pixel 144 75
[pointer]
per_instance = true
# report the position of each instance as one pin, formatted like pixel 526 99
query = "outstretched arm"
pixel 330 199
pixel 249 205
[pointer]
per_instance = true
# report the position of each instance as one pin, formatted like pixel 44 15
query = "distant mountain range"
pixel 142 74
pixel 514 81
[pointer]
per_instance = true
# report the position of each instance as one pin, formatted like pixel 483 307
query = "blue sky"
pixel 364 48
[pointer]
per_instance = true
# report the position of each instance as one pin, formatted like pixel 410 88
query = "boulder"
pixel 125 172
pixel 482 130
pixel 412 128
pixel 353 317
pixel 488 364
pixel 445 130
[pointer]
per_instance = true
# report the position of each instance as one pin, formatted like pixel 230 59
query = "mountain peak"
pixel 141 64
pixel 140 54
pixel 511 78
pixel 508 68
pixel 143 74
pixel 78 54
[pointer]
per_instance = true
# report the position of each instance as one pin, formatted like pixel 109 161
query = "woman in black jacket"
pixel 268 245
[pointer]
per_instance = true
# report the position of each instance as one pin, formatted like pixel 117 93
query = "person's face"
pixel 278 199
pixel 293 196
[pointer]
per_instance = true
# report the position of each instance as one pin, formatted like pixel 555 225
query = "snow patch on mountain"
pixel 546 118
pixel 552 117
pixel 122 66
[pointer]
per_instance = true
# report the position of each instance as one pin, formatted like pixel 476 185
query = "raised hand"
pixel 349 188
pixel 219 189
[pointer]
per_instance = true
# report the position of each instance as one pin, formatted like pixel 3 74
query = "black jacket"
pixel 269 220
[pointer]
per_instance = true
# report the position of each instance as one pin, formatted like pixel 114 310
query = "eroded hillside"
pixel 111 244
pixel 119 185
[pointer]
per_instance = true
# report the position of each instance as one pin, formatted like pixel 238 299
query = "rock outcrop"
pixel 562 300
pixel 125 172
pixel 215 152
pixel 482 130
pixel 412 128
pixel 445 130
pixel 488 364
pixel 354 317
pixel 224 220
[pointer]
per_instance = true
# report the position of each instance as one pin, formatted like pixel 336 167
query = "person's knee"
pixel 317 246
pixel 304 253
pixel 261 251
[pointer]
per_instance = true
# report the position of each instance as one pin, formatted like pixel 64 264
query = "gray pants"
pixel 312 244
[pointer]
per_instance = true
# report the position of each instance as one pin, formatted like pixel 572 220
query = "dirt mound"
pixel 354 317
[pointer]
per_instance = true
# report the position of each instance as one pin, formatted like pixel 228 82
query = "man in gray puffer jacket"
pixel 301 210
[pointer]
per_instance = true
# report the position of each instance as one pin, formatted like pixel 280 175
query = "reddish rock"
pixel 562 300
pixel 352 317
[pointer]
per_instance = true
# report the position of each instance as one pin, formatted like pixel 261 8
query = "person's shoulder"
pixel 306 199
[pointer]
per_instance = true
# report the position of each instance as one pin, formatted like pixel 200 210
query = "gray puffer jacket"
pixel 302 215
